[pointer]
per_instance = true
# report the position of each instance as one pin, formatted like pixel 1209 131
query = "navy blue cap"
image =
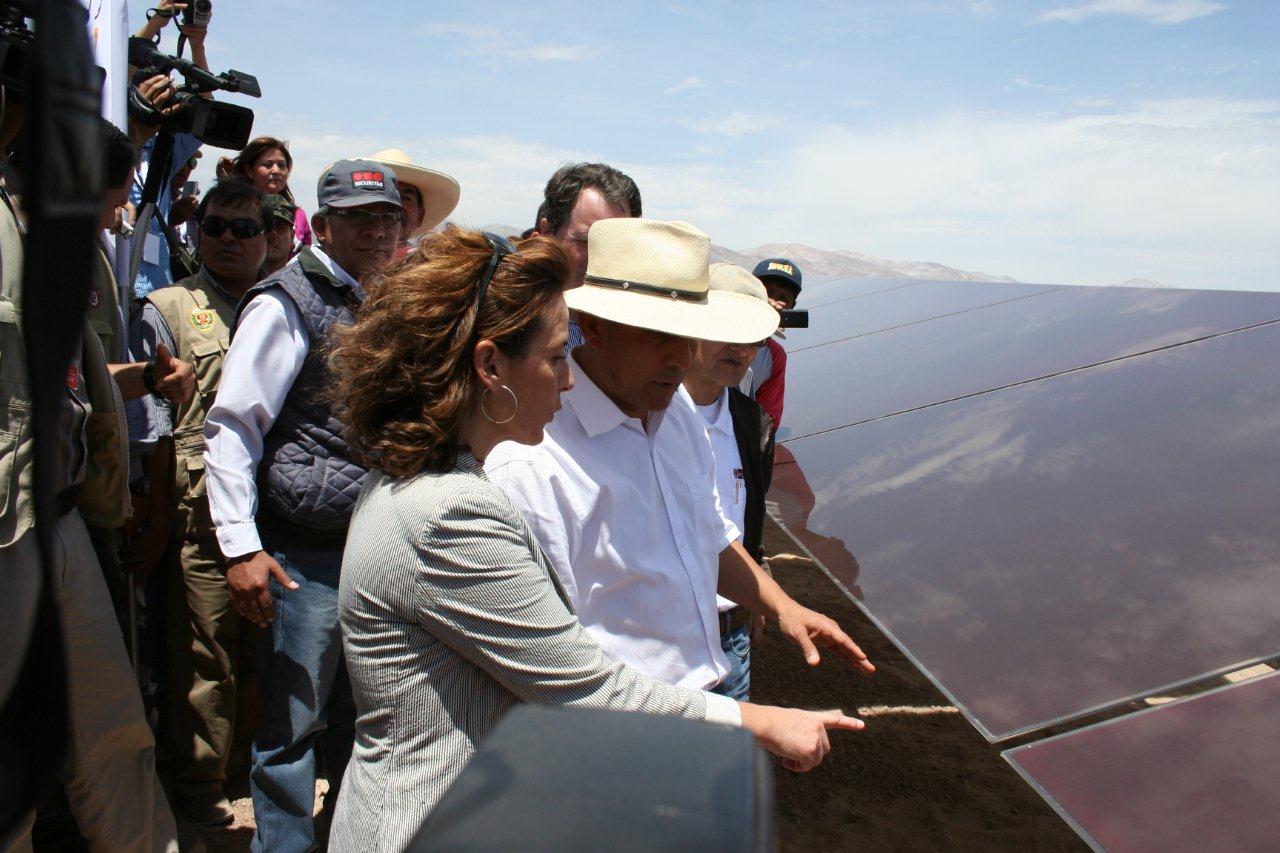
pixel 781 268
pixel 351 183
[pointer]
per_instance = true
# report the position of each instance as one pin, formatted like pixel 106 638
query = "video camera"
pixel 794 319
pixel 215 123
pixel 15 48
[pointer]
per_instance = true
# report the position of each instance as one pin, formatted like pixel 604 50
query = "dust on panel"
pixel 1062 545
pixel 1198 774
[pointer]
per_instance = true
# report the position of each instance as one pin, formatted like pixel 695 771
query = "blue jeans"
pixel 737 648
pixel 299 664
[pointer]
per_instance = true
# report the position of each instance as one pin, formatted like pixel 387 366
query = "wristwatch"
pixel 149 376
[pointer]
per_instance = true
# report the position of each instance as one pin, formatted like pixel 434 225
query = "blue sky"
pixel 1079 142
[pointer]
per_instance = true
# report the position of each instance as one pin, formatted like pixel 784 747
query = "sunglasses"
pixel 501 248
pixel 241 229
pixel 362 219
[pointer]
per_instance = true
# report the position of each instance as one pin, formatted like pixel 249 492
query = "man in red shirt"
pixel 781 278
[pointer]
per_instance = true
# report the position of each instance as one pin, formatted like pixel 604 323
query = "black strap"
pixel 657 290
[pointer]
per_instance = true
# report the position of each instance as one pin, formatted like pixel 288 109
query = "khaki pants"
pixel 206 640
pixel 110 775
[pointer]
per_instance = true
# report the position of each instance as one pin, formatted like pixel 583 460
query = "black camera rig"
pixel 215 123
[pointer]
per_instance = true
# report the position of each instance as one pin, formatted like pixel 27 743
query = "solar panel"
pixel 1064 545
pixel 1011 341
pixel 1198 774
pixel 860 314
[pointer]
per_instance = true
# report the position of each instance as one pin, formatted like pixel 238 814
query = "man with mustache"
pixel 272 442
pixel 621 492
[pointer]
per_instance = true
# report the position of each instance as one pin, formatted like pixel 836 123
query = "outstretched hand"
pixel 809 630
pixel 175 379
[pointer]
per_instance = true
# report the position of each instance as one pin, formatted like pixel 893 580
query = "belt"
pixel 732 620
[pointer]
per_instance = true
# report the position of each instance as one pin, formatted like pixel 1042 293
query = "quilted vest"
pixel 307 477
pixel 200 318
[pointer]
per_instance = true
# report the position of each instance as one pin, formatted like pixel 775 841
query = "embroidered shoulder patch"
pixel 203 319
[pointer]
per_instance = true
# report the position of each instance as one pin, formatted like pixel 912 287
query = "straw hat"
pixel 654 275
pixel 439 191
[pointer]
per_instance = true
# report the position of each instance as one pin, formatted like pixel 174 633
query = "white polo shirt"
pixel 631 521
pixel 731 482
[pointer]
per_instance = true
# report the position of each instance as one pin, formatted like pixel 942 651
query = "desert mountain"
pixel 844 262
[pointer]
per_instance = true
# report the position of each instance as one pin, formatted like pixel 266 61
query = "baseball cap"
pixel 351 183
pixel 782 268
pixel 279 207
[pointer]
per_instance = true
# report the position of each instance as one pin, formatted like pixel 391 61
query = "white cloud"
pixel 1093 103
pixel 1154 11
pixel 982 8
pixel 491 43
pixel 1178 190
pixel 858 103
pixel 684 85
pixel 736 123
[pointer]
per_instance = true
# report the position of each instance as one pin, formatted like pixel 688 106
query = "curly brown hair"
pixel 403 372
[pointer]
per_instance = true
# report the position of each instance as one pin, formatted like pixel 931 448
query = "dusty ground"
pixel 919 778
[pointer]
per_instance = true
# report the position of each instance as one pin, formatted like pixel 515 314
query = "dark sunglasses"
pixel 501 248
pixel 241 229
pixel 364 218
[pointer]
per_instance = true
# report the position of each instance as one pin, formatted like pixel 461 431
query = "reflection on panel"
pixel 1068 543
pixel 887 309
pixel 819 291
pixel 1199 774
pixel 879 374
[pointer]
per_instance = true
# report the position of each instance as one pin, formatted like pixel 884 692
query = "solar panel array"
pixel 1197 774
pixel 1053 499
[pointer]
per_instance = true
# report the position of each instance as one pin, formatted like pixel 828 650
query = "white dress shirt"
pixel 631 521
pixel 265 357
pixel 731 480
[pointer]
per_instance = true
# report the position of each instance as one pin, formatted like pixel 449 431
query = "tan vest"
pixel 104 306
pixel 103 497
pixel 200 320
pixel 17 453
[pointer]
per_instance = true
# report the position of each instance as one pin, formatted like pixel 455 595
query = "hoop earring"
pixel 515 406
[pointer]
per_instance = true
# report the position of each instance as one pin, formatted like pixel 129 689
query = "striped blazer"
pixel 450 614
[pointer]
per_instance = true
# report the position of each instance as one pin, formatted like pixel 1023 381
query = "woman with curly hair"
pixel 266 164
pixel 450 612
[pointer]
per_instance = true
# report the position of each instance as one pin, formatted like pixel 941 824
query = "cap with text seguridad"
pixel 352 183
pixel 782 268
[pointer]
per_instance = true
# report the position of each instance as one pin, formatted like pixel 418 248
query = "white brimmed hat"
pixel 654 275
pixel 439 191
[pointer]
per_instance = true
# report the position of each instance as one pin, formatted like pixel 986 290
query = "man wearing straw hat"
pixel 427 196
pixel 621 492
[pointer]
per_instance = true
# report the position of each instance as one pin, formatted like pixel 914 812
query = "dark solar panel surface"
pixel 908 357
pixel 1065 544
pixel 1199 774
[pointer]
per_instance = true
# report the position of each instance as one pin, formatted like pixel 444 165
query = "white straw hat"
pixel 654 275
pixel 439 191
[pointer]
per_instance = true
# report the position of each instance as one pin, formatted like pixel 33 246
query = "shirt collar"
pixel 595 411
pixel 332 266
pixel 212 281
pixel 724 418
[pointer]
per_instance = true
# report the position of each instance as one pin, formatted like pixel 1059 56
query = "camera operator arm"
pixel 164 11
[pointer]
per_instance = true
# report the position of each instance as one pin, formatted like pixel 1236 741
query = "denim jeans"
pixel 737 648
pixel 299 662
